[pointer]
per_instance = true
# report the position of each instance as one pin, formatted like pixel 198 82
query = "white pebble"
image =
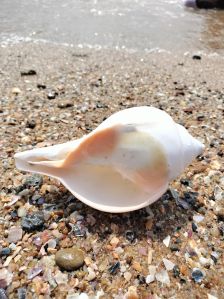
pixel 150 278
pixel 163 277
pixel 127 276
pixel 168 264
pixel 198 218
pixel 203 261
pixel 61 278
pixel 21 212
pixel 152 270
pixel 91 274
pixel 166 241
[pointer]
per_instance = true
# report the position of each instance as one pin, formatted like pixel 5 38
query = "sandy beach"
pixel 51 94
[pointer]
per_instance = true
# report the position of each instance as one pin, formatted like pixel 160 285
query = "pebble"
pixel 34 180
pixel 78 230
pixel 31 124
pixel 197 275
pixel 150 278
pixel 166 241
pixel 34 272
pixel 21 293
pixel 49 189
pixel 198 218
pixel 3 294
pixel 152 272
pixel 5 278
pixel 176 271
pixel 130 236
pixel 16 91
pixel 219 210
pixel 15 234
pixel 196 57
pixel 32 222
pixel 24 193
pixel 91 274
pixel 131 293
pixel 52 243
pixel 114 268
pixel 212 296
pixel 5 251
pixel 114 241
pixel 41 86
pixel 52 95
pixel 163 277
pixel 30 72
pixel 61 278
pixel 214 256
pixel 168 264
pixel 215 231
pixel 127 276
pixel 65 104
pixel 218 193
pixel 26 140
pixel 194 227
pixel 69 258
pixel 204 262
pixel 150 253
pixel 21 212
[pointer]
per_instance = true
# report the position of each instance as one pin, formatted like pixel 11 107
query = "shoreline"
pixel 70 94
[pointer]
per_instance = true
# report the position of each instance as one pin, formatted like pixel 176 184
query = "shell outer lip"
pixel 112 209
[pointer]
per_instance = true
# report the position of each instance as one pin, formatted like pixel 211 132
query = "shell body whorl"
pixel 126 163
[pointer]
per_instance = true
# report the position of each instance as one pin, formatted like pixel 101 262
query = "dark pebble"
pixel 40 201
pixel 78 230
pixel 174 248
pixel 197 275
pixel 32 222
pixel 214 258
pixel 31 124
pixel 183 204
pixel 3 294
pixel 200 117
pixel 185 182
pixel 141 279
pixel 28 73
pixel 100 105
pixel 196 57
pixel 14 214
pixel 130 236
pixel 37 200
pixel 21 293
pixel 191 199
pixel 52 95
pixel 114 268
pixel 173 193
pixel 34 180
pixel 65 104
pixel 5 251
pixel 221 228
pixel 194 227
pixel 176 271
pixel 182 280
pixel 41 86
pixel 220 153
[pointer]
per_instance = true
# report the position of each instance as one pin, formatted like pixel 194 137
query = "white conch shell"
pixel 125 164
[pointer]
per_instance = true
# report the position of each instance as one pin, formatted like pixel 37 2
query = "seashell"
pixel 125 164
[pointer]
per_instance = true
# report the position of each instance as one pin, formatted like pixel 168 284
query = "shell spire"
pixel 125 164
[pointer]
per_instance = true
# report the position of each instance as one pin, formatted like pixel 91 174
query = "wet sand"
pixel 69 92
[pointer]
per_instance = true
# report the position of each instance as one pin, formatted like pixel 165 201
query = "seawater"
pixel 121 24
